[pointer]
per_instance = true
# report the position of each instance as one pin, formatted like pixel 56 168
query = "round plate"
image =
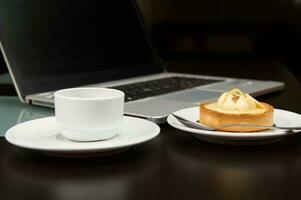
pixel 43 135
pixel 281 118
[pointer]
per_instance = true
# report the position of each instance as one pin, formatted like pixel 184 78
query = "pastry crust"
pixel 215 119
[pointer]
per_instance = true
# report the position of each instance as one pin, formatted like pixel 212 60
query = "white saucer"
pixel 43 135
pixel 281 118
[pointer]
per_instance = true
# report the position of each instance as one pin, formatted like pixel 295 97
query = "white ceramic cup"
pixel 89 114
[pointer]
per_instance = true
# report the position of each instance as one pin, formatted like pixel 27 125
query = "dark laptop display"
pixel 56 44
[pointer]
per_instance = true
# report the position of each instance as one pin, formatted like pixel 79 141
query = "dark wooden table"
pixel 173 165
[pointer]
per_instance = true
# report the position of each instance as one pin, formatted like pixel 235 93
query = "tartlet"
pixel 236 107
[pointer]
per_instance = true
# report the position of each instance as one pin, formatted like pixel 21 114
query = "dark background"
pixel 2 65
pixel 225 31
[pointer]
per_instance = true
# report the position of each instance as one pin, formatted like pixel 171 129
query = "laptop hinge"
pixel 42 103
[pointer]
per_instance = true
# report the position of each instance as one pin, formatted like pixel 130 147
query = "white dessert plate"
pixel 43 135
pixel 281 118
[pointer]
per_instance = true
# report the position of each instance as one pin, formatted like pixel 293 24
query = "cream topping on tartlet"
pixel 235 101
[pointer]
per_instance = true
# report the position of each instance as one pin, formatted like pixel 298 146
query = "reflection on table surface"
pixel 121 176
pixel 237 172
pixel 12 112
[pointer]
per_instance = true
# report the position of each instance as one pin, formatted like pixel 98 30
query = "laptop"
pixel 53 44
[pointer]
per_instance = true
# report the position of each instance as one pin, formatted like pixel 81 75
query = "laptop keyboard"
pixel 156 87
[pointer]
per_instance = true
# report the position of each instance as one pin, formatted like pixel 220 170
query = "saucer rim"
pixel 141 139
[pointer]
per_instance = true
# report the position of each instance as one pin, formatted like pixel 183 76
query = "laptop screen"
pixel 54 44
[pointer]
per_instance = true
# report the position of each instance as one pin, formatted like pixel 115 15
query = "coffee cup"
pixel 89 114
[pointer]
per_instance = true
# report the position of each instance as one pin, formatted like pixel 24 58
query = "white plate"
pixel 43 135
pixel 281 118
